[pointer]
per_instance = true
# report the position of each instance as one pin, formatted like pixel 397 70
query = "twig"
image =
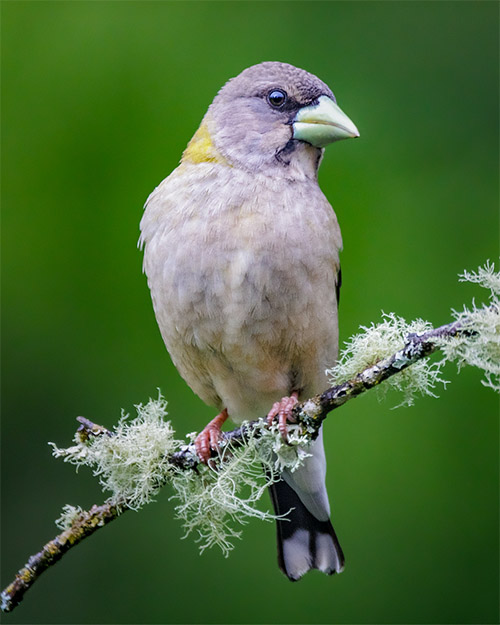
pixel 86 523
pixel 418 346
pixel 311 413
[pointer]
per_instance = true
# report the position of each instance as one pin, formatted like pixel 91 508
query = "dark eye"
pixel 276 98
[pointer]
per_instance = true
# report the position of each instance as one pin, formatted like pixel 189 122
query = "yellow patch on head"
pixel 201 149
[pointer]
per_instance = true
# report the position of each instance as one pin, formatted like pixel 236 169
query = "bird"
pixel 241 253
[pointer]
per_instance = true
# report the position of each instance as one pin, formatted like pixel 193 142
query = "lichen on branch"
pixel 225 492
pixel 140 455
pixel 131 461
pixel 378 342
pixel 479 343
pixel 473 340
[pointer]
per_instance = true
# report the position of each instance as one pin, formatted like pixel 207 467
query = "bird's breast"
pixel 248 278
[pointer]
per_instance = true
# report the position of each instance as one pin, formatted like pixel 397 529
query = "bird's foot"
pixel 208 439
pixel 282 410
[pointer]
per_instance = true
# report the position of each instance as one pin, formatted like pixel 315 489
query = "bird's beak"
pixel 322 123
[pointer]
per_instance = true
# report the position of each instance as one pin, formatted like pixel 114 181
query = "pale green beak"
pixel 323 123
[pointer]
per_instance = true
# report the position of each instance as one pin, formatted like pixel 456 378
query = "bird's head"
pixel 272 118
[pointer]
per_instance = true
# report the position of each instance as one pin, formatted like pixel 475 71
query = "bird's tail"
pixel 304 542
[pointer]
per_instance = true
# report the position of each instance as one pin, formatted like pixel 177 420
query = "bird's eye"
pixel 276 98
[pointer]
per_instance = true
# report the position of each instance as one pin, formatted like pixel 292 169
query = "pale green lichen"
pixel 132 463
pixel 68 515
pixel 480 345
pixel 380 341
pixel 226 492
pixel 486 277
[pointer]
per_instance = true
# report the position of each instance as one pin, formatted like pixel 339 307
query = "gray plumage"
pixel 242 259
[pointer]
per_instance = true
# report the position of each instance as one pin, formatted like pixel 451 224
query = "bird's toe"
pixel 208 439
pixel 283 411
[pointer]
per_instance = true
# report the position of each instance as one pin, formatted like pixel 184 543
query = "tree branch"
pixel 84 525
pixel 311 413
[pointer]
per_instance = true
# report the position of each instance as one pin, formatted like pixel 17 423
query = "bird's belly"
pixel 247 322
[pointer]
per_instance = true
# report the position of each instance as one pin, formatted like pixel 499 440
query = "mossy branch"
pixel 138 458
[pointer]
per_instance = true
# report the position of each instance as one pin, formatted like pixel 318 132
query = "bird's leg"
pixel 283 410
pixel 209 437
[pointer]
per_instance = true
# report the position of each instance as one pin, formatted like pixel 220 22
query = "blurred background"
pixel 98 101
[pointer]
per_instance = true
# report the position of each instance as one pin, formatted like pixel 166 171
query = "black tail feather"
pixel 304 542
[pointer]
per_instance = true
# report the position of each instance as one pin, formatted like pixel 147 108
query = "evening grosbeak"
pixel 241 252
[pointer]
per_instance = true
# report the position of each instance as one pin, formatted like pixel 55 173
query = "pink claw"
pixel 283 410
pixel 208 439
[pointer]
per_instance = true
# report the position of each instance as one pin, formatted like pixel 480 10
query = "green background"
pixel 98 101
